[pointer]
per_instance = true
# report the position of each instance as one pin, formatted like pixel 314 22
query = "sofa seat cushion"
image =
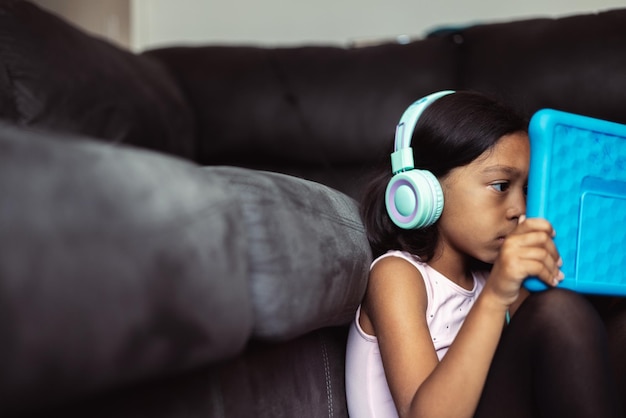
pixel 301 378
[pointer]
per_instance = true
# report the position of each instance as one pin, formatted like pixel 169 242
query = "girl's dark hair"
pixel 451 132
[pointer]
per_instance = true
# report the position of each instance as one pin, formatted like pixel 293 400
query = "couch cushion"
pixel 319 112
pixel 301 378
pixel 307 253
pixel 116 265
pixel 55 76
pixel 575 63
pixel 120 265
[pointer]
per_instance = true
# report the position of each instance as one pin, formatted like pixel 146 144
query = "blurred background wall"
pixel 108 18
pixel 142 24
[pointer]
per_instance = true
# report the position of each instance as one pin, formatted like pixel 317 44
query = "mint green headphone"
pixel 414 198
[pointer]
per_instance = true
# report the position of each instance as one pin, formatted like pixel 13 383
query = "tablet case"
pixel 577 181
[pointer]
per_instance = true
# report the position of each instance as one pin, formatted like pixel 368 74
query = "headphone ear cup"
pixel 414 199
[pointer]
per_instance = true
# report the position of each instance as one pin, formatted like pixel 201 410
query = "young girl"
pixel 452 245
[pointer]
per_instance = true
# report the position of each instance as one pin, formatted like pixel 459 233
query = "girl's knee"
pixel 562 309
pixel 557 301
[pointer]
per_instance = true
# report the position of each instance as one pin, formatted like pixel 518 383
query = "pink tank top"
pixel 448 303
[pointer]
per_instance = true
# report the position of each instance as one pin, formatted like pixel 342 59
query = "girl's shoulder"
pixel 396 286
pixel 394 255
pixel 403 271
pixel 411 258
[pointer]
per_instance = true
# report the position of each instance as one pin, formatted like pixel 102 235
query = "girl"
pixel 429 339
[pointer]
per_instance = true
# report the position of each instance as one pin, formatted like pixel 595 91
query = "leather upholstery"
pixel 179 236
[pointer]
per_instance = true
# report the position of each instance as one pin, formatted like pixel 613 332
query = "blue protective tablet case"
pixel 577 181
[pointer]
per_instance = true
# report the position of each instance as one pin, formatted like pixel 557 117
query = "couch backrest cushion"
pixel 575 64
pixel 54 76
pixel 319 112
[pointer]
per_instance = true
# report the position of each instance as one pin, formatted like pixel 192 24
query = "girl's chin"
pixel 489 257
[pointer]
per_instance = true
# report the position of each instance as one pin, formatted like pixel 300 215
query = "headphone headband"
pixel 402 157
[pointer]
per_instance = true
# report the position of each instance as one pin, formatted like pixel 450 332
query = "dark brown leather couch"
pixel 179 235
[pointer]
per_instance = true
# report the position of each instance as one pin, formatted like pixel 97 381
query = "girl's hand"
pixel 527 251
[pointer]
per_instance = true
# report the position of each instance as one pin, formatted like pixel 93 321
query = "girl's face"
pixel 484 200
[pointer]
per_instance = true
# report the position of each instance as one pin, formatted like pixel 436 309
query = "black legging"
pixel 552 361
pixel 615 319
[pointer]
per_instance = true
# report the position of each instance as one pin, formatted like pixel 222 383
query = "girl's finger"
pixel 535 224
pixel 549 277
pixel 534 239
pixel 547 264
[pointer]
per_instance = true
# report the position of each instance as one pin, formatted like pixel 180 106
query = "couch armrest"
pixel 119 264
pixel 308 255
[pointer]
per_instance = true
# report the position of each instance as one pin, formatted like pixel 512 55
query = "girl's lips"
pixel 503 236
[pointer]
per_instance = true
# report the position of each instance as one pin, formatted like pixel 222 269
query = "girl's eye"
pixel 501 187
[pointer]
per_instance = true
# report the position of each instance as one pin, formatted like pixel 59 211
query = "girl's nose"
pixel 518 206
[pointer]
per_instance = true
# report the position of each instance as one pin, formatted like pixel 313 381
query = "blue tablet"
pixel 577 181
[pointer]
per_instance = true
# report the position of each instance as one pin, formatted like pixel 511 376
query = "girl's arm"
pixel 422 386
pixel 394 310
